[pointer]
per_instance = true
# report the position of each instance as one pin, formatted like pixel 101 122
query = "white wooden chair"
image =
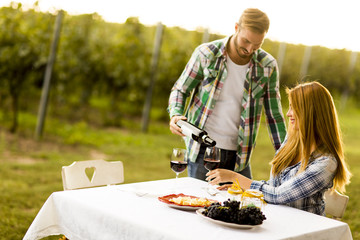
pixel 335 203
pixel 92 173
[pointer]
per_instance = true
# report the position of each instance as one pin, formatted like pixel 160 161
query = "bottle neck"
pixel 208 141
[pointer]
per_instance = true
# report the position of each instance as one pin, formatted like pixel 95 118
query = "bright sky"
pixel 329 23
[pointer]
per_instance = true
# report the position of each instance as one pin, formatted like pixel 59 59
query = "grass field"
pixel 30 170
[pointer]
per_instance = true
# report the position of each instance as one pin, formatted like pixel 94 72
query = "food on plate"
pixel 186 200
pixel 230 211
pixel 190 201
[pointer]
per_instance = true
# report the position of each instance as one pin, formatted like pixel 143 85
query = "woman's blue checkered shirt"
pixel 303 190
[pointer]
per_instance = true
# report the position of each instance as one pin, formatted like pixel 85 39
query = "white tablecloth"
pixel 124 212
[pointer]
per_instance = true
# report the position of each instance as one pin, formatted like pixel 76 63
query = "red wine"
pixel 211 164
pixel 178 166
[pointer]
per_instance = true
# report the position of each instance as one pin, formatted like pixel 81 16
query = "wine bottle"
pixel 195 133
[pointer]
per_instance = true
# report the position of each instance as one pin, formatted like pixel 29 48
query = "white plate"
pixel 165 200
pixel 182 207
pixel 233 225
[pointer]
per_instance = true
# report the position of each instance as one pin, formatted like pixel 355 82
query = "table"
pixel 132 211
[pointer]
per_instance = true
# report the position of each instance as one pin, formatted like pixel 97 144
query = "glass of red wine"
pixel 178 162
pixel 212 158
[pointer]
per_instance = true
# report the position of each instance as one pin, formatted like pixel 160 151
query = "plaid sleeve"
pixel 273 110
pixel 318 175
pixel 188 80
pixel 257 184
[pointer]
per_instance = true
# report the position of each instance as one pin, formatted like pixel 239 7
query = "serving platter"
pixel 183 207
pixel 219 222
pixel 166 199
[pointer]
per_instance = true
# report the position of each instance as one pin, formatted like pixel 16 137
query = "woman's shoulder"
pixel 326 160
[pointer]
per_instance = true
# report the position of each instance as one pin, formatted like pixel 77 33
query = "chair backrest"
pixel 335 203
pixel 92 173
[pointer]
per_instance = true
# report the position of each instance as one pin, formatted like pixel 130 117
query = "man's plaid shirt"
pixel 206 72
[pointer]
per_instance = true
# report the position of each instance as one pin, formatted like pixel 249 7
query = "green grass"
pixel 30 170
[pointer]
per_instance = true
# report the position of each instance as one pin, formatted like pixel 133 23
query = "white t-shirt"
pixel 223 123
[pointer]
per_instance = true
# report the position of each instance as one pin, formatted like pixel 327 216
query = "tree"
pixel 20 60
pixel 127 68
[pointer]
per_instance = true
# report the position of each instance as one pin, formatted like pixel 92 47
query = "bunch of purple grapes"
pixel 230 212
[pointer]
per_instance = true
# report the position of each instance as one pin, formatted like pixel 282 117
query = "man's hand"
pixel 175 129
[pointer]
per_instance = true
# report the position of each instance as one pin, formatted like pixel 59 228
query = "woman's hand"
pixel 220 175
pixel 224 187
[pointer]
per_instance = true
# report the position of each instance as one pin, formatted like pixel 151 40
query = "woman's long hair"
pixel 317 121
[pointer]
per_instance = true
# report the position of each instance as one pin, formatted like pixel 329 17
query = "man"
pixel 232 79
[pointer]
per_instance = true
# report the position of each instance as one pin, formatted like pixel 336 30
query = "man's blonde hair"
pixel 254 19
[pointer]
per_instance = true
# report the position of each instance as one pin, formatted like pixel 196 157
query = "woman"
pixel 310 160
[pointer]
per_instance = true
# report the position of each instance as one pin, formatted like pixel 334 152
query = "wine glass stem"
pixel 176 183
pixel 208 182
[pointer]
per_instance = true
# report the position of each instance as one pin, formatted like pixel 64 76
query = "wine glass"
pixel 178 162
pixel 212 158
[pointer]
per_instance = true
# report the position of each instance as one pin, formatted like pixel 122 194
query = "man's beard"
pixel 243 56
